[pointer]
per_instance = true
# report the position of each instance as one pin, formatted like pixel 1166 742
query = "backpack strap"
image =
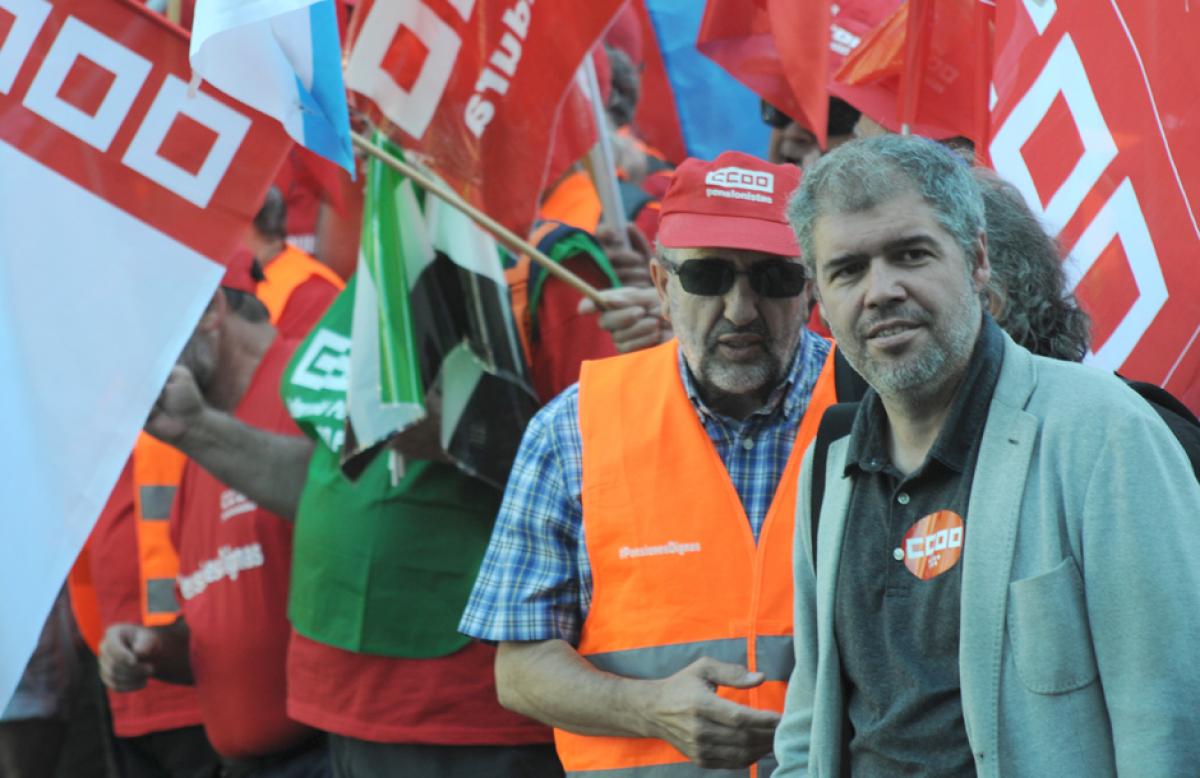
pixel 850 385
pixel 836 423
pixel 1156 395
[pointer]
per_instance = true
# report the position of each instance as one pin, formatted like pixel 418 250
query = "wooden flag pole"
pixel 601 160
pixel 506 236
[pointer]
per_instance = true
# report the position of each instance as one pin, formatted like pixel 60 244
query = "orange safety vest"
pixel 676 572
pixel 157 471
pixel 84 604
pixel 290 268
pixel 574 201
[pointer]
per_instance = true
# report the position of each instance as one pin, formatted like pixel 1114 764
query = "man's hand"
pixel 633 316
pixel 178 407
pixel 631 263
pixel 128 655
pixel 713 732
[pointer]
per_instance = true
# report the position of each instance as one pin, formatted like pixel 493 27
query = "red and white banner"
pixel 1096 121
pixel 476 88
pixel 120 195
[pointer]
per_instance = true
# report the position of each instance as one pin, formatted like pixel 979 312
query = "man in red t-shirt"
pixel 157 729
pixel 235 554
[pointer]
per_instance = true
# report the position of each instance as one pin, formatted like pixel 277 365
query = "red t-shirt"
pixel 305 306
pixel 450 700
pixel 566 338
pixel 234 563
pixel 115 574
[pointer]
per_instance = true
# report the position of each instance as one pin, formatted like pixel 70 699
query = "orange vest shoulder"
pixel 287 271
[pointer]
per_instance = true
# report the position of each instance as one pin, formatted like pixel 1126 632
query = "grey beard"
pixel 924 373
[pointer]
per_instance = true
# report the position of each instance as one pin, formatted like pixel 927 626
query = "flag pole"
pixel 506 236
pixel 601 161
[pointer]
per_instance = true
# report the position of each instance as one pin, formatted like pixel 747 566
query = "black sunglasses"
pixel 773 117
pixel 714 277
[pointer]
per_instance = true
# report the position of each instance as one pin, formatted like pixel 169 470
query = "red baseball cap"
pixel 240 272
pixel 737 201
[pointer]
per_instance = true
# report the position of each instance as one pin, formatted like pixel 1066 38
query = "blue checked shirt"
pixel 536 579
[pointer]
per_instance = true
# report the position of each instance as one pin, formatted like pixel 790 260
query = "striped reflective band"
pixel 677 770
pixel 160 596
pixel 156 501
pixel 766 766
pixel 775 658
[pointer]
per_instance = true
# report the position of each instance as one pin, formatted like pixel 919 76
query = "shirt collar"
pixel 791 395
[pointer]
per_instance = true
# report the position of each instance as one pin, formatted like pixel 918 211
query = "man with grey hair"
pixel 1003 580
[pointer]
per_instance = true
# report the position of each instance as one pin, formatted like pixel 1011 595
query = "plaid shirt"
pixel 536 579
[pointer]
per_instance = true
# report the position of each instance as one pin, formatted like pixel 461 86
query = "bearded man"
pixel 1005 576
pixel 638 579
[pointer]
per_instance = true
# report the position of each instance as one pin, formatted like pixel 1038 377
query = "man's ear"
pixel 983 266
pixel 660 278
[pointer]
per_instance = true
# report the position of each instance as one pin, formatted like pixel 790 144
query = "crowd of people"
pixel 821 488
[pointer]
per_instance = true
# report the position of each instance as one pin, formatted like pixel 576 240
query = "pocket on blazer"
pixel 1049 632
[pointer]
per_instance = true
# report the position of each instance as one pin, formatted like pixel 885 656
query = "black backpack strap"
pixel 849 385
pixel 836 423
pixel 1156 395
pixel 1179 419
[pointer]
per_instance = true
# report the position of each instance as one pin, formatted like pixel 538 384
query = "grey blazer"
pixel 1079 646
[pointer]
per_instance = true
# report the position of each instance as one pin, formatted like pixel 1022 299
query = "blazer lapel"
pixel 830 535
pixel 993 516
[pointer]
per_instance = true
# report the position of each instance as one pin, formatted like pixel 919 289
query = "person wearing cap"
pixel 296 287
pixel 638 578
pixel 219 404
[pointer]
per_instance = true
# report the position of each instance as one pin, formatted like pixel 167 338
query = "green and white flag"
pixel 432 315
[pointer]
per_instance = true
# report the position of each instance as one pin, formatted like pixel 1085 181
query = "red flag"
pixel 657 117
pixel 1096 122
pixel 940 38
pixel 785 51
pixel 474 87
pixel 97 92
pixel 121 193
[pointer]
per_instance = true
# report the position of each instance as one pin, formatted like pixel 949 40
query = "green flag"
pixel 432 315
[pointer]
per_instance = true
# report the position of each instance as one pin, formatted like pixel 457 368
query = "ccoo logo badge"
pixel 933 544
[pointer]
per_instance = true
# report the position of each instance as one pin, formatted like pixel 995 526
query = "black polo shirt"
pixel 896 613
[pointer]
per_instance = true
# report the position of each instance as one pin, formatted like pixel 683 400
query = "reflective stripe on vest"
pixel 157 471
pixel 677 574
pixel 290 268
pixel 766 766
pixel 774 657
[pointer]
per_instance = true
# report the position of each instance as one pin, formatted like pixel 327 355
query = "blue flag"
pixel 282 57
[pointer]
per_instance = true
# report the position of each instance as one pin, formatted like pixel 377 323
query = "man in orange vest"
pixel 296 287
pixel 638 580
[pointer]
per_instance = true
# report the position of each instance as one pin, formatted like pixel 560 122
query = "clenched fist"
pixel 127 656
